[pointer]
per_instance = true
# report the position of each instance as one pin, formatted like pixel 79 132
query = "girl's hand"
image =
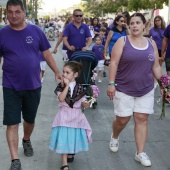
pixel 85 104
pixel 66 82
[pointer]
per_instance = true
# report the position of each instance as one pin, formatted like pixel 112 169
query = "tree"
pixel 33 7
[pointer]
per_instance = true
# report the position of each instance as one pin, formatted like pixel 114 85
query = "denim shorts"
pixel 17 102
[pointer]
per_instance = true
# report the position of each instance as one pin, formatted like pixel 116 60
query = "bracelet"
pixel 112 83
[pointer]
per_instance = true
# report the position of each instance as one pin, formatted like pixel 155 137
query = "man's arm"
pixel 65 41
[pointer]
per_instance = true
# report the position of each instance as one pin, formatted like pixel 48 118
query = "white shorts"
pixel 100 65
pixel 43 65
pixel 125 105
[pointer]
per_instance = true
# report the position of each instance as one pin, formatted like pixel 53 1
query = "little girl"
pixel 98 50
pixel 71 132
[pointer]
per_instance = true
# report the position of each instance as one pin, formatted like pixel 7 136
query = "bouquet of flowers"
pixel 165 88
pixel 93 93
pixel 91 96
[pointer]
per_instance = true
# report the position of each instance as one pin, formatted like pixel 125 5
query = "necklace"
pixel 138 42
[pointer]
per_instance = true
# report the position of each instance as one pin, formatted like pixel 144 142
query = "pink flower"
pixel 96 91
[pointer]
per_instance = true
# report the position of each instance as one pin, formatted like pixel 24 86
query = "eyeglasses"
pixel 78 15
pixel 121 20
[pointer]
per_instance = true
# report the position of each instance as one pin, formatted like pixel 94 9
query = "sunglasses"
pixel 121 20
pixel 78 15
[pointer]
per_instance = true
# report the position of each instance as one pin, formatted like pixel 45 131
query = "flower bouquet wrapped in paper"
pixel 93 93
pixel 165 88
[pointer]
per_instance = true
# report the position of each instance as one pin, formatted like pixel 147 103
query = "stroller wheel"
pixel 94 105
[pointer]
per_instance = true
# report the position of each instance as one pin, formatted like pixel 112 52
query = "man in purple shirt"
pixel 20 44
pixel 77 35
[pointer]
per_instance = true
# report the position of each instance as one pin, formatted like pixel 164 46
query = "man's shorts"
pixel 125 105
pixel 43 65
pixel 167 64
pixel 15 102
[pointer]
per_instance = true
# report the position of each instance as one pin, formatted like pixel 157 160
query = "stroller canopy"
pixel 89 62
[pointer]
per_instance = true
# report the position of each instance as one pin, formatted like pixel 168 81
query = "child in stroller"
pixel 86 78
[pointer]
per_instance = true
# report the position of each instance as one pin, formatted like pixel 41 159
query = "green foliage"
pixel 94 7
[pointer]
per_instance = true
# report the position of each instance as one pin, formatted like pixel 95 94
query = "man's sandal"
pixel 65 166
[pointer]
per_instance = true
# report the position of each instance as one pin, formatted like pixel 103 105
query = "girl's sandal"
pixel 70 159
pixel 64 167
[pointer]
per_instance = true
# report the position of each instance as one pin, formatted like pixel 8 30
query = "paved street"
pixel 99 156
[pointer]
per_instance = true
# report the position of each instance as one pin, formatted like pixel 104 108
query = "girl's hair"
pixel 97 38
pixel 69 19
pixel 117 19
pixel 162 22
pixel 103 29
pixel 139 15
pixel 93 21
pixel 15 2
pixel 74 66
pixel 127 15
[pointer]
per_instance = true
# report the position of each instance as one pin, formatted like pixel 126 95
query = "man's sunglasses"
pixel 78 15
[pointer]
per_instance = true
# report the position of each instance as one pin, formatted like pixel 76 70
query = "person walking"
pixel 165 53
pixel 157 34
pixel 134 62
pixel 71 132
pixel 60 39
pixel 76 35
pixel 98 50
pixel 21 76
pixel 120 29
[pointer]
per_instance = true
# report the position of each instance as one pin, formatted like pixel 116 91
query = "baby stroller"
pixel 50 34
pixel 89 62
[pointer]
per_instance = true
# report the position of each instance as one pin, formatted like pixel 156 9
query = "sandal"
pixel 70 159
pixel 65 166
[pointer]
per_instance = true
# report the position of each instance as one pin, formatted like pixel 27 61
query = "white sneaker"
pixel 99 81
pixel 143 159
pixel 114 144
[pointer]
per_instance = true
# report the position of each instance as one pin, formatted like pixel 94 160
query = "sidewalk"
pixel 99 156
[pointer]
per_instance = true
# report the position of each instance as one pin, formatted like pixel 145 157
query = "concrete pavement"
pixel 99 156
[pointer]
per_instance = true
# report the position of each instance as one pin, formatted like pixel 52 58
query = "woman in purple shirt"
pixel 157 34
pixel 134 61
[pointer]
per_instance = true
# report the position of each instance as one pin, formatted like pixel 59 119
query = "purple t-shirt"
pixel 98 51
pixel 41 56
pixel 20 50
pixel 96 29
pixel 167 35
pixel 76 36
pixel 134 74
pixel 157 35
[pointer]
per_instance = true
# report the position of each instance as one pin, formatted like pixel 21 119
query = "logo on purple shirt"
pixel 151 57
pixel 82 31
pixel 29 39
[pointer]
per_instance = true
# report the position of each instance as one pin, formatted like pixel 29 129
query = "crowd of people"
pixel 135 67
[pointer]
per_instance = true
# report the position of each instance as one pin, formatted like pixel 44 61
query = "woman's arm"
pixel 108 41
pixel 164 46
pixel 157 71
pixel 115 58
pixel 60 39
